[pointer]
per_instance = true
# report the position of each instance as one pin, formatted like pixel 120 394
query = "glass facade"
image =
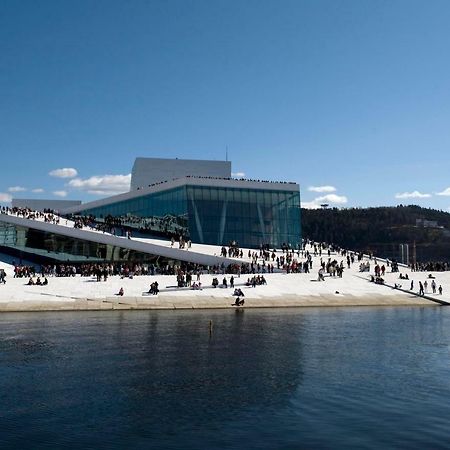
pixel 162 213
pixel 44 247
pixel 212 215
pixel 250 217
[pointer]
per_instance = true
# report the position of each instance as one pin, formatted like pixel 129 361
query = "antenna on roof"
pixel 226 153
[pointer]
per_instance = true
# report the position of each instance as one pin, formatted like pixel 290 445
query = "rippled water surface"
pixel 265 379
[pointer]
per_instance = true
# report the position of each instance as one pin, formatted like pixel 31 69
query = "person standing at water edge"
pixel 421 292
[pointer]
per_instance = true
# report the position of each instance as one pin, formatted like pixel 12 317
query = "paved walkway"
pixel 282 290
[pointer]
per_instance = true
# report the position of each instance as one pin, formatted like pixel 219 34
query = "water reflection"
pixel 263 379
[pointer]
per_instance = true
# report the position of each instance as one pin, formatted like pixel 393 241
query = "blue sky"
pixel 349 97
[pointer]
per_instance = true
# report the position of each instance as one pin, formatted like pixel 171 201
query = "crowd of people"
pixel 233 251
pixel 37 281
pixel 216 178
pixel 239 179
pixel 167 225
pixel 182 242
pixel 441 266
pixel 129 270
pixel 24 271
pixel 257 280
pixel 81 222
pixel 423 287
pixel 47 215
pixel 100 270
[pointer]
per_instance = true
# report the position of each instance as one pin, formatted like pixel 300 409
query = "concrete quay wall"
pixel 210 302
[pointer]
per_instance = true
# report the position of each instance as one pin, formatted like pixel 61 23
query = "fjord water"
pixel 264 379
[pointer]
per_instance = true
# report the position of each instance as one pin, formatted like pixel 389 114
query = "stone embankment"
pixel 282 290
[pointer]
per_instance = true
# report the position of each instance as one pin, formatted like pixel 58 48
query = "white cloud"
pixel 238 174
pixel 65 172
pixel 445 192
pixel 60 193
pixel 5 198
pixel 322 189
pixel 324 199
pixel 332 198
pixel 16 189
pixel 310 205
pixel 37 190
pixel 102 184
pixel 414 194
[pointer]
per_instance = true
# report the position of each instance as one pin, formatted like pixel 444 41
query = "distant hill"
pixel 382 229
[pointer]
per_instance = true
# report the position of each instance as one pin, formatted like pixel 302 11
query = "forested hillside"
pixel 381 230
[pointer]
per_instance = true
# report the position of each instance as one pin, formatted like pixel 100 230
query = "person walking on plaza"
pixel 440 290
pixel 421 292
pixel 412 285
pixel 433 286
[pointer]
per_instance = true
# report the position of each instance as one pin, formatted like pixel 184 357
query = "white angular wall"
pixel 147 171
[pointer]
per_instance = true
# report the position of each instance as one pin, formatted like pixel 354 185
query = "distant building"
pixel 427 223
pixel 148 171
pixel 40 204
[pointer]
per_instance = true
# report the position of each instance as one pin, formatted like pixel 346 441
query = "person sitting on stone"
pixel 154 288
pixel 320 275
pixel 45 282
pixel 30 282
pixel 120 293
pixel 38 282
